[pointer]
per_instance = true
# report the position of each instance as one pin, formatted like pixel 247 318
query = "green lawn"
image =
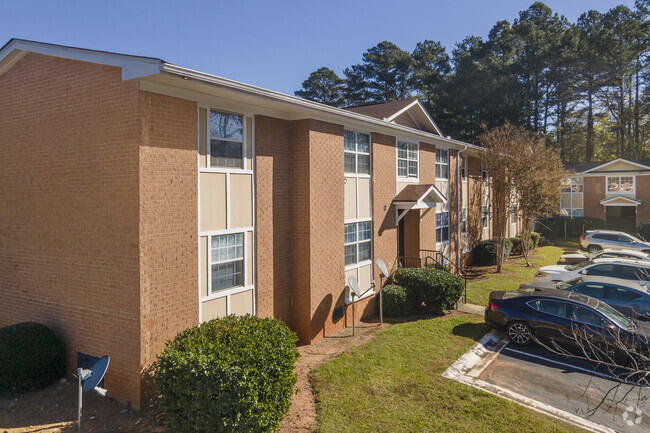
pixel 393 384
pixel 514 273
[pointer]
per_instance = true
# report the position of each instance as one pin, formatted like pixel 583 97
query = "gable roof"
pixel 588 167
pixel 158 76
pixel 393 110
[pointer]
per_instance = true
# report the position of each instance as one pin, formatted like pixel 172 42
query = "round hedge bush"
pixel 485 253
pixel 430 290
pixel 534 237
pixel 228 374
pixel 31 357
pixel 394 301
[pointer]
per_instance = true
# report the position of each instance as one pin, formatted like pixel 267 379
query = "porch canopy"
pixel 620 200
pixel 416 197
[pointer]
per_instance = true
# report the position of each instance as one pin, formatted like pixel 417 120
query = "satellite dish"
pixel 96 373
pixel 354 285
pixel 382 267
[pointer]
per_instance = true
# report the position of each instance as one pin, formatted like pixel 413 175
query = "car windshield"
pixel 634 238
pixel 614 315
pixel 580 265
pixel 566 284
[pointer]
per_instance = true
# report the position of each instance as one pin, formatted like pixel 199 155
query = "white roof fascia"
pixel 424 111
pixel 132 66
pixel 599 167
pixel 306 104
pixel 632 201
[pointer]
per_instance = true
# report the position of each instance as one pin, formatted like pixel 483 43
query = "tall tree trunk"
pixel 637 142
pixel 590 121
pixel 621 118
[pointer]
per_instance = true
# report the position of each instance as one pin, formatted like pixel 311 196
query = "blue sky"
pixel 272 44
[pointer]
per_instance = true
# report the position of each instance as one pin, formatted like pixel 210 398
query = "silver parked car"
pixel 573 257
pixel 629 297
pixel 627 269
pixel 595 240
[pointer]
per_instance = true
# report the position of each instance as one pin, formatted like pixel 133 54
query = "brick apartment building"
pixel 138 198
pixel 617 191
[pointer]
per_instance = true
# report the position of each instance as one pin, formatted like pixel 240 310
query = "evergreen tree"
pixel 324 86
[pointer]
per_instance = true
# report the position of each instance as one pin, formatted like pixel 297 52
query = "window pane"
pixel 349 141
pixel 441 156
pixel 349 163
pixel 223 125
pixel 593 290
pixel 586 315
pixel 351 254
pixel 445 234
pixel 444 172
pixel 227 247
pixel 438 171
pixel 413 151
pixel 225 154
pixel 364 164
pixel 627 184
pixel 227 275
pixel 621 294
pixel 363 143
pixel 445 218
pixel 401 168
pixel 364 231
pixel 350 233
pixel 364 251
pixel 401 150
pixel 602 270
pixel 553 307
pixel 413 168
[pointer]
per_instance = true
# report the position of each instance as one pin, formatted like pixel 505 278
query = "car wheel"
pixel 591 249
pixel 520 333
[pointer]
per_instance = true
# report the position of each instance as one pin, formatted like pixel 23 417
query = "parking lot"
pixel 575 390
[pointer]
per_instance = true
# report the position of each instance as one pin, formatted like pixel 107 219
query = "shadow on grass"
pixel 475 331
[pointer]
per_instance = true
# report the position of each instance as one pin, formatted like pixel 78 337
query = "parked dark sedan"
pixel 566 318
pixel 631 298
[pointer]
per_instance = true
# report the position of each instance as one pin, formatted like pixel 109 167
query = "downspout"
pixel 459 190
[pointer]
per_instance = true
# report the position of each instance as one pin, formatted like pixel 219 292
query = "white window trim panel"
pixel 360 264
pixel 406 179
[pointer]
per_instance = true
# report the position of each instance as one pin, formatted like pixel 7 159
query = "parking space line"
pixel 569 366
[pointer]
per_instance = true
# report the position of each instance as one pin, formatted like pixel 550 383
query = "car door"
pixel 551 322
pixel 601 269
pixel 594 290
pixel 629 302
pixel 591 334
pixel 624 241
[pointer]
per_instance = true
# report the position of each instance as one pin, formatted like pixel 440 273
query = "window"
pixel 633 273
pixel 442 227
pixel 484 172
pixel 621 294
pixel 571 200
pixel 587 316
pixel 357 242
pixel 357 152
pixel 464 230
pixel 442 164
pixel 593 290
pixel 605 270
pixel 463 168
pixel 227 261
pixel 620 184
pixel 485 216
pixel 407 159
pixel 513 214
pixel 554 308
pixel 226 140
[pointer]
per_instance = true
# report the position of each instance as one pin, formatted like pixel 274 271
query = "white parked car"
pixel 626 269
pixel 580 256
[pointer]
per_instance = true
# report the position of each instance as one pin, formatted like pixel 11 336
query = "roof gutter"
pixel 309 105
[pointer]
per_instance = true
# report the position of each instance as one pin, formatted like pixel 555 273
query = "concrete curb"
pixel 468 367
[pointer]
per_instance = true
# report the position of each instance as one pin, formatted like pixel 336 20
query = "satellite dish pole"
pixel 88 381
pixel 384 274
pixel 356 290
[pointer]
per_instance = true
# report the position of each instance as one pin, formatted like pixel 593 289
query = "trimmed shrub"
pixel 517 248
pixel 485 253
pixel 534 237
pixel 430 290
pixel 31 357
pixel 228 374
pixel 395 303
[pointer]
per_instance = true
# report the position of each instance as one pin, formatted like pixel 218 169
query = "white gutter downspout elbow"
pixel 459 191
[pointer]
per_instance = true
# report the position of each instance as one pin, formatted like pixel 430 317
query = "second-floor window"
pixel 226 140
pixel 357 152
pixel 463 169
pixel 407 159
pixel 620 183
pixel 442 164
pixel 484 172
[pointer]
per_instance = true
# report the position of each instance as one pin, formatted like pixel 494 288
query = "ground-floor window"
pixel 485 216
pixel 358 241
pixel 442 227
pixel 227 261
pixel 464 228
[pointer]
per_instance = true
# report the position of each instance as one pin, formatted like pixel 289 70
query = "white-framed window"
pixel 484 173
pixel 358 242
pixel 485 216
pixel 464 228
pixel 513 214
pixel 356 152
pixel 571 200
pixel 226 261
pixel 226 140
pixel 463 168
pixel 442 227
pixel 621 184
pixel 408 156
pixel 442 164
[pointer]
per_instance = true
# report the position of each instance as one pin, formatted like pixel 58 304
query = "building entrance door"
pixel 621 218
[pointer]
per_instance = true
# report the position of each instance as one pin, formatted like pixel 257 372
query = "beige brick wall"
pixel 69 210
